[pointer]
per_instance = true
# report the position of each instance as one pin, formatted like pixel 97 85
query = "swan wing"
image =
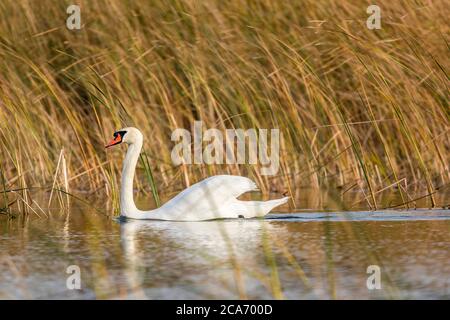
pixel 207 199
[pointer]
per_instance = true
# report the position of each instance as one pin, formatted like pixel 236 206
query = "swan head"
pixel 127 135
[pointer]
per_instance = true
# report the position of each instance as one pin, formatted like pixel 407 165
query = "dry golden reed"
pixel 357 108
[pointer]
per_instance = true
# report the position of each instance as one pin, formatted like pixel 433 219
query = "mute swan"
pixel 212 198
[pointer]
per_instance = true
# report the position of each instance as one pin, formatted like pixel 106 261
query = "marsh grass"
pixel 151 180
pixel 5 207
pixel 357 108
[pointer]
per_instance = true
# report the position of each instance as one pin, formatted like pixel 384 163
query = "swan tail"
pixel 253 209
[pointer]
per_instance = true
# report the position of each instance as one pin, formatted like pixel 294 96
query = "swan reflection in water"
pixel 194 260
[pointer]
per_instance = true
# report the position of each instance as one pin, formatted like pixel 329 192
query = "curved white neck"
pixel 127 206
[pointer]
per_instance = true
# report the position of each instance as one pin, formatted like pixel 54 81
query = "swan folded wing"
pixel 211 195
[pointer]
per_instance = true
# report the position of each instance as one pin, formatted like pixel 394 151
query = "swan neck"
pixel 127 205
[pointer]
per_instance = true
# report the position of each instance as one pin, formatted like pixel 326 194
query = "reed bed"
pixel 361 110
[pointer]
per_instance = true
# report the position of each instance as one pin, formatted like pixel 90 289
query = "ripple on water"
pixel 386 215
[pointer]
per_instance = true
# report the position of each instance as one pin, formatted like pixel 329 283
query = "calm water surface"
pixel 306 255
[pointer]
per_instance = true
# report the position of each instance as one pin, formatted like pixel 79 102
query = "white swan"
pixel 212 198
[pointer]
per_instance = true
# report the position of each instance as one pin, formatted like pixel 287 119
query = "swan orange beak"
pixel 116 140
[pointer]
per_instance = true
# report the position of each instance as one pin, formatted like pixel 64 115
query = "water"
pixel 306 255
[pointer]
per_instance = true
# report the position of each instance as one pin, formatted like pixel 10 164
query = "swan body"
pixel 212 198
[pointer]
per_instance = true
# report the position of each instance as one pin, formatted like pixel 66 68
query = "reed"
pixel 355 106
pixel 5 207
pixel 148 172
